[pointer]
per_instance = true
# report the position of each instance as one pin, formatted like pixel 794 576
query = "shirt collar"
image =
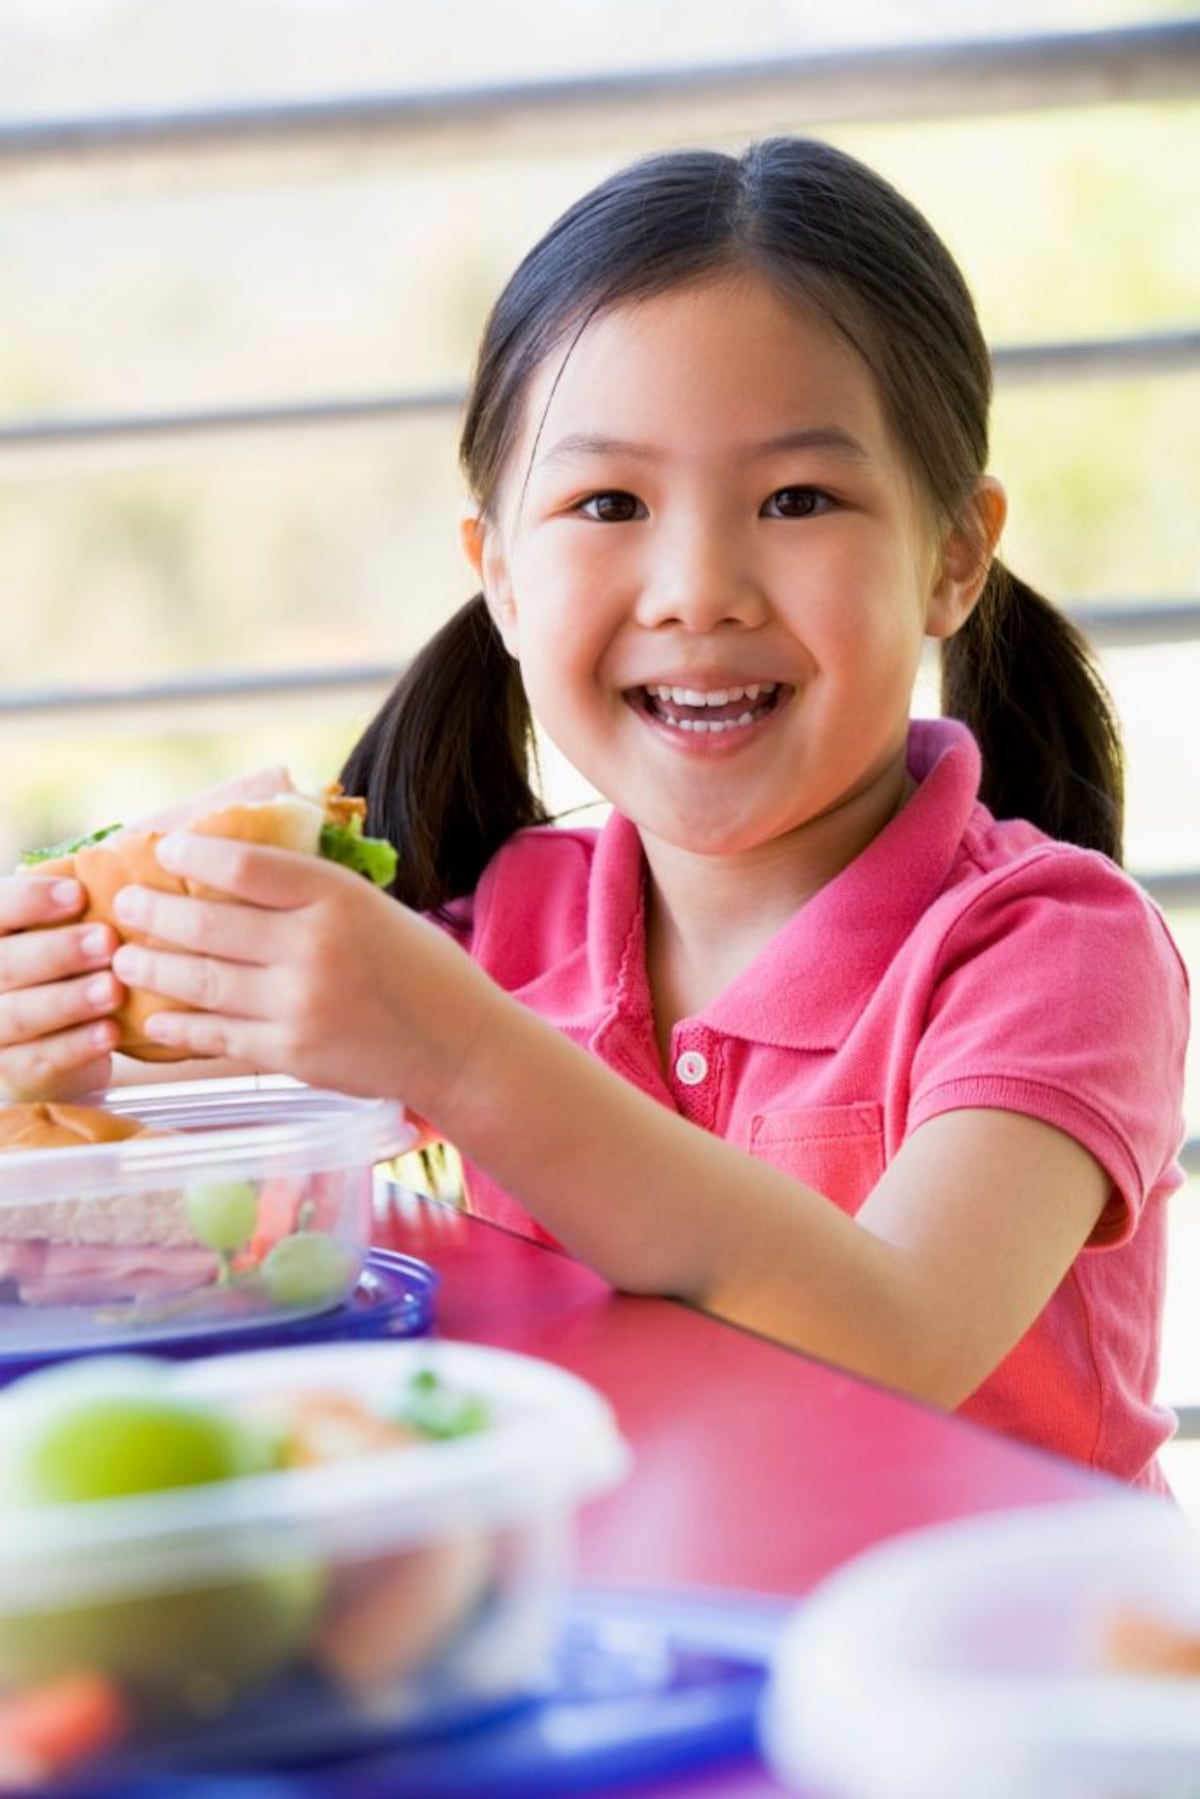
pixel 807 986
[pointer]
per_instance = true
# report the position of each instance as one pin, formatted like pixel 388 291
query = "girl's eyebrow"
pixel 818 437
pixel 813 437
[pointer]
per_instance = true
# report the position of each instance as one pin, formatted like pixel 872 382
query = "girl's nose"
pixel 699 577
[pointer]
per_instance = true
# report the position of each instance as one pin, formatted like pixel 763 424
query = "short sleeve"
pixel 1061 995
pixel 529 911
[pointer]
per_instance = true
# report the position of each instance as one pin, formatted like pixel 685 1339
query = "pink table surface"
pixel 756 1470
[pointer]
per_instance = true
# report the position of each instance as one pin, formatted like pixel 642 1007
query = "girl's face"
pixel 710 559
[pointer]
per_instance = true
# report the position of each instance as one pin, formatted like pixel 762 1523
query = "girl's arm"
pixel 948 1263
pixel 322 977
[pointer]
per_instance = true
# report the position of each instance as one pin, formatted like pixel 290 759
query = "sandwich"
pixel 69 1250
pixel 112 858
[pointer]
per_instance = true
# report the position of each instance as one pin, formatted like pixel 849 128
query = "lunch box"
pixel 252 1207
pixel 280 1617
pixel 983 1658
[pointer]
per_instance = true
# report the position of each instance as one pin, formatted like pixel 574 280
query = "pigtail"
pixel 1021 675
pixel 444 765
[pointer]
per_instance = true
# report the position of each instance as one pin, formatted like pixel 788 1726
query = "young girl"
pixel 844 1027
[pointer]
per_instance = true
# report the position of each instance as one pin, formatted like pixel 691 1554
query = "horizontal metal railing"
pixel 1153 354
pixel 1106 625
pixel 899 81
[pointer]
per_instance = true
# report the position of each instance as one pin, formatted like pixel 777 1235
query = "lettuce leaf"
pixel 435 1410
pixel 370 856
pixel 32 857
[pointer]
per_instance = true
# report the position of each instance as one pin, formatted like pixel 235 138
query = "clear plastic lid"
pixel 551 1441
pixel 253 1125
pixel 969 1658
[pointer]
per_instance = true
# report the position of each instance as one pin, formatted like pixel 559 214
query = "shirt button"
pixel 692 1068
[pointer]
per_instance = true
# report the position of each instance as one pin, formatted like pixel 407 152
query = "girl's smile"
pixel 709 557
pixel 708 719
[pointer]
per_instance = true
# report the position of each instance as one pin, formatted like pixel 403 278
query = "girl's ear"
pixel 966 556
pixel 481 546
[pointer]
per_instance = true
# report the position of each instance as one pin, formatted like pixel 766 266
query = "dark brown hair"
pixel 445 766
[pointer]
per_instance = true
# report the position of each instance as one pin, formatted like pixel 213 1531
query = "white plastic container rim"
pixel 249 1126
pixel 552 1442
pixel 877 1693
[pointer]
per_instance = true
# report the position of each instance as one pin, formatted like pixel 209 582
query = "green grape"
pixel 222 1214
pixel 115 1426
pixel 306 1269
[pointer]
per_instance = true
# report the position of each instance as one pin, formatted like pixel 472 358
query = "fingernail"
pixel 67 894
pixel 171 850
pixel 97 942
pixel 130 963
pixel 128 905
pixel 100 992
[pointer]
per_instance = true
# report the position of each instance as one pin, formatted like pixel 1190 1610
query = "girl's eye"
pixel 612 508
pixel 796 502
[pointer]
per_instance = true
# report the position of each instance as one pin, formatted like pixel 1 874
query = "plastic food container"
pixel 253 1206
pixel 320 1609
pixel 1005 1657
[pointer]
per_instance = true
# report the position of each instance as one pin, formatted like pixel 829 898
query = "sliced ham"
pixel 66 1274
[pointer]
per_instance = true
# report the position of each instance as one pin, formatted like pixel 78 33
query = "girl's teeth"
pixel 709 724
pixel 682 708
pixel 720 696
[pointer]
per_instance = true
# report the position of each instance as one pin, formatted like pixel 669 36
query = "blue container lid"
pixel 645 1686
pixel 394 1297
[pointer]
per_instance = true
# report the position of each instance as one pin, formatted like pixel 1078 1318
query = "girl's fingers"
pixel 30 900
pixel 34 958
pixel 235 933
pixel 29 1014
pixel 205 1035
pixel 277 880
pixel 57 992
pixel 200 981
pixel 72 1063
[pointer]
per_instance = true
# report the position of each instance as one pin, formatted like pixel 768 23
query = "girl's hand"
pixel 57 992
pixel 259 784
pixel 307 970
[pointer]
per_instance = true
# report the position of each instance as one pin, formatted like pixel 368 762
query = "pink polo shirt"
pixel 957 962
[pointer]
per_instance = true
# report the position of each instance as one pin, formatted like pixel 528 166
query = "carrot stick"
pixel 49 1728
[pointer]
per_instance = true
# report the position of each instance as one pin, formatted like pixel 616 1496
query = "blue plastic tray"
pixel 394 1297
pixel 645 1686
